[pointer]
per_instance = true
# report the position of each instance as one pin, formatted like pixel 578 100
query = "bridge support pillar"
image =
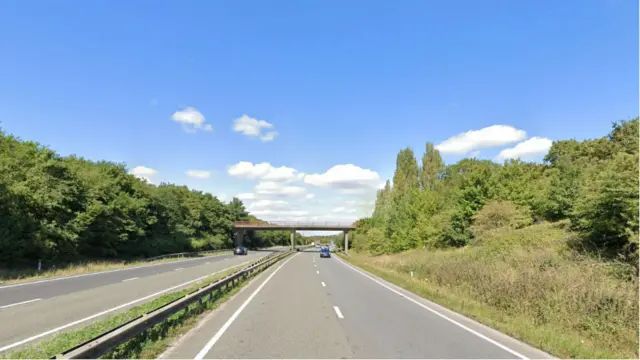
pixel 239 237
pixel 293 239
pixel 346 241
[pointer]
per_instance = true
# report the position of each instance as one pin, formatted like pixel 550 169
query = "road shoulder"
pixel 502 340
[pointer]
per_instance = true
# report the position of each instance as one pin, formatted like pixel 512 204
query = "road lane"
pixel 81 307
pixel 48 288
pixel 338 313
pixel 291 317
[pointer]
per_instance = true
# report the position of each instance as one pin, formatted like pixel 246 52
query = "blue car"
pixel 325 252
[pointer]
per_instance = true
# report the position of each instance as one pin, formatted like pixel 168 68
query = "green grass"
pixel 10 276
pixel 66 340
pixel 527 283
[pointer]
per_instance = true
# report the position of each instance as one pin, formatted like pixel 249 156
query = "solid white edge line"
pixel 484 337
pixel 129 279
pixel 18 303
pixel 207 347
pixel 338 312
pixel 99 273
pixel 323 284
pixel 54 330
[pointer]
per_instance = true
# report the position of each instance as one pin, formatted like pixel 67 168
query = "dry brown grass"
pixel 529 284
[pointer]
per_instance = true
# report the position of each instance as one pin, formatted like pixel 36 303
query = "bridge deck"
pixel 327 226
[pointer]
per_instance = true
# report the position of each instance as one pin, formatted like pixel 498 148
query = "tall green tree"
pixel 432 167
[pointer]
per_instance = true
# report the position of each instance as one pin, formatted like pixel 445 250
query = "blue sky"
pixel 341 82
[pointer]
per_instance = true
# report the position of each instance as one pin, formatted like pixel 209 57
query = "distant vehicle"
pixel 325 252
pixel 240 251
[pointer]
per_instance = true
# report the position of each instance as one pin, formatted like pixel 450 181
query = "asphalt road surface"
pixel 47 307
pixel 48 288
pixel 308 307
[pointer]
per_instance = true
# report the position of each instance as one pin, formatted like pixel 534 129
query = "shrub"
pixel 499 214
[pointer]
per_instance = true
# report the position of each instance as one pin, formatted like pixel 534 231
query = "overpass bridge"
pixel 242 226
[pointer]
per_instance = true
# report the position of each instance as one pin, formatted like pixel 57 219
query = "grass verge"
pixel 66 340
pixel 12 276
pixel 525 283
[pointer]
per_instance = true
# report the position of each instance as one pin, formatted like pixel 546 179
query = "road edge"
pixel 495 335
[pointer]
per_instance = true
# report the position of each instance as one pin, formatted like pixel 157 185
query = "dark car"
pixel 240 251
pixel 325 252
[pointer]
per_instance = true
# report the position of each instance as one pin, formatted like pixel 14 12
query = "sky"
pixel 300 107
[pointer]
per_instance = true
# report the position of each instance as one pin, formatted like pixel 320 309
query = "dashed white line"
pixel 314 265
pixel 178 269
pixel 323 284
pixel 73 323
pixel 317 272
pixel 96 273
pixel 18 303
pixel 233 317
pixel 133 278
pixel 338 312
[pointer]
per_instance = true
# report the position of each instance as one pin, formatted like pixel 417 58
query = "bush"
pixel 497 215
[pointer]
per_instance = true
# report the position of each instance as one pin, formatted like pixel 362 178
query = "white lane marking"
pixel 98 273
pixel 49 332
pixel 323 284
pixel 314 265
pixel 503 347
pixel 178 269
pixel 207 347
pixel 133 278
pixel 338 312
pixel 317 272
pixel 18 303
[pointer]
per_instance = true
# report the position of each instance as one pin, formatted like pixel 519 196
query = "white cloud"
pixel 280 215
pixel 263 171
pixel 269 136
pixel 532 147
pixel 266 204
pixel 492 136
pixel 143 173
pixel 310 196
pixel 348 177
pixel 344 210
pixel 246 196
pixel 191 120
pixel 199 174
pixel 253 127
pixel 278 189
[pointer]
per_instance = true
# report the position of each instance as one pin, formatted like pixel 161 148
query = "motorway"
pixel 48 288
pixel 32 311
pixel 308 307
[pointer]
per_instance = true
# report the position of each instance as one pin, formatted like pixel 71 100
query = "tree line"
pixel 591 184
pixel 61 209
